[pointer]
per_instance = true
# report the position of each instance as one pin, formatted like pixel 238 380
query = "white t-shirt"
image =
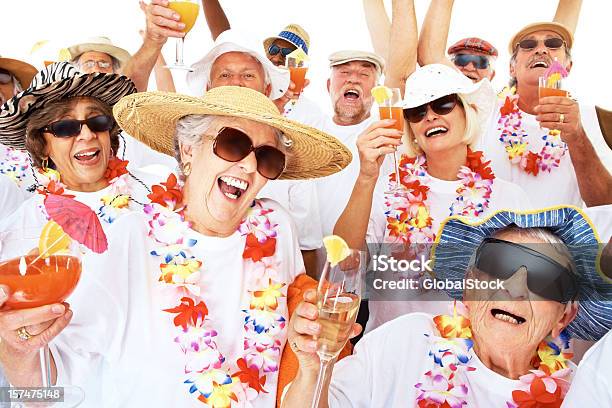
pixel 592 384
pixel 299 198
pixel 441 195
pixel 388 362
pixel 602 219
pixel 28 219
pixel 334 191
pixel 305 111
pixel 558 187
pixel 119 346
pixel 11 196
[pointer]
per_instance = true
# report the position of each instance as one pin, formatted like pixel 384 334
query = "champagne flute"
pixel 36 278
pixel 391 108
pixel 338 300
pixel 188 10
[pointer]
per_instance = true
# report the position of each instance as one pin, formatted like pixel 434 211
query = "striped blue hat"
pixel 459 238
pixel 293 33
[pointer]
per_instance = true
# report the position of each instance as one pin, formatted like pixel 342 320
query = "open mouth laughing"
pixel 88 156
pixel 438 130
pixel 232 187
pixel 507 317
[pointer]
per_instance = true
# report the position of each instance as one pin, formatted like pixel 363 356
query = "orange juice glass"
pixel 545 89
pixel 298 77
pixel 188 12
pixel 393 112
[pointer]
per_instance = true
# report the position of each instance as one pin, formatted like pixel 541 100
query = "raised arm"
pixel 373 144
pixel 162 23
pixel 434 33
pixel 402 61
pixel 567 13
pixel 215 17
pixel 379 26
pixel 163 76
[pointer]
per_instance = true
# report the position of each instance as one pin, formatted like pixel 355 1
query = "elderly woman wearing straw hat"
pixel 64 121
pixel 505 345
pixel 441 176
pixel 196 290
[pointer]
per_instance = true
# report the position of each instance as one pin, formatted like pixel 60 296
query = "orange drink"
pixel 37 281
pixel 544 92
pixel 298 77
pixel 393 112
pixel 188 12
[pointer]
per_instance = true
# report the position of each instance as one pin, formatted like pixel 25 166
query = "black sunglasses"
pixel 275 49
pixel 234 145
pixel 550 43
pixel 5 76
pixel 441 106
pixel 479 61
pixel 545 277
pixel 72 127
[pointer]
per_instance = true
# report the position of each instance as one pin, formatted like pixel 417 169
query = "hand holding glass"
pixel 391 108
pixel 338 300
pixel 188 10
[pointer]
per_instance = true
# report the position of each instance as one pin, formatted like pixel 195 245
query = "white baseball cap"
pixel 235 41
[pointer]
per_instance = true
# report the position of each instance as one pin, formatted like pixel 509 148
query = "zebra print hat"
pixel 458 239
pixel 58 81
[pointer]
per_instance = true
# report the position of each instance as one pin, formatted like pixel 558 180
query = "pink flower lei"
pixel 451 350
pixel 408 215
pixel 516 143
pixel 212 379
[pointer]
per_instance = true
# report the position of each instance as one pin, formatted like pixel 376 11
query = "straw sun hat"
pixel 151 117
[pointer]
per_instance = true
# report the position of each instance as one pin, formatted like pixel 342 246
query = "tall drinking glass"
pixel 391 108
pixel 297 72
pixel 36 278
pixel 188 10
pixel 338 300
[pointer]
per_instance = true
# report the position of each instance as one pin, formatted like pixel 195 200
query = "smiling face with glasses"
pixel 539 284
pixel 94 61
pixel 228 167
pixel 76 139
pixel 278 51
pixel 534 53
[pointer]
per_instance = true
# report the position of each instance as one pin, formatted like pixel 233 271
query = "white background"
pixel 332 24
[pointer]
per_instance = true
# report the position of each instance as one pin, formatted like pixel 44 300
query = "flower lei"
pixel 114 203
pixel 514 139
pixel 408 216
pixel 211 377
pixel 15 165
pixel 452 351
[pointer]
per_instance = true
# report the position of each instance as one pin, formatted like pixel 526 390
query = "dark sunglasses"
pixel 275 49
pixel 5 77
pixel 550 43
pixel 479 61
pixel 72 127
pixel 545 277
pixel 234 145
pixel 441 106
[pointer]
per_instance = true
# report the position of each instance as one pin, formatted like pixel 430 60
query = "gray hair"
pixel 191 128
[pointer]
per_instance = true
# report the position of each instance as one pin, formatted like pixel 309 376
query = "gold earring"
pixel 45 163
pixel 187 169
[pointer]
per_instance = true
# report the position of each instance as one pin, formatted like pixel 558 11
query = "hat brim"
pixel 458 239
pixel 197 79
pixel 23 71
pixel 151 118
pixel 119 53
pixel 541 26
pixel 15 113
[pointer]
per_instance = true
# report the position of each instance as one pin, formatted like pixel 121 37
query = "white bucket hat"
pixel 434 81
pixel 99 44
pixel 234 41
